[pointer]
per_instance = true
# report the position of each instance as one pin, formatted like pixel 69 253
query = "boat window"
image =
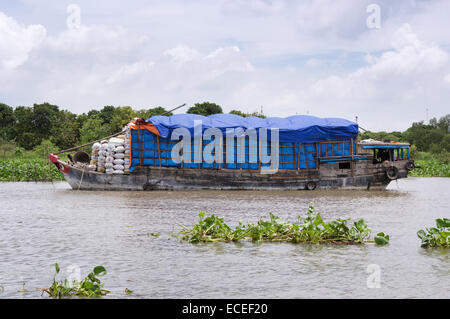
pixel 381 155
pixel 344 165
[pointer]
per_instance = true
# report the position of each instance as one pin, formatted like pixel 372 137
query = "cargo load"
pixel 301 137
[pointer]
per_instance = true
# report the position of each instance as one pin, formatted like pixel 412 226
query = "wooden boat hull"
pixel 365 175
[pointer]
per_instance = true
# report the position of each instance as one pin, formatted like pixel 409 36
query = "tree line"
pixel 29 126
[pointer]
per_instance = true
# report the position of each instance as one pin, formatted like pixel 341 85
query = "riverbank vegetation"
pixel 431 165
pixel 90 286
pixel 20 165
pixel 28 170
pixel 438 236
pixel 310 229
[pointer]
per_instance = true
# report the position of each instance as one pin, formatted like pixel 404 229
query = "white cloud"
pixel 182 54
pixel 398 77
pixel 388 93
pixel 17 41
pixel 129 72
pixel 447 79
pixel 95 65
pixel 313 63
pixel 240 54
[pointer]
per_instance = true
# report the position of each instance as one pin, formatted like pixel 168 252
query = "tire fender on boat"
pixel 410 166
pixel 311 185
pixel 392 172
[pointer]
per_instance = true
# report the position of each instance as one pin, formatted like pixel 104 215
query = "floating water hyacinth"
pixel 311 229
pixel 90 286
pixel 438 236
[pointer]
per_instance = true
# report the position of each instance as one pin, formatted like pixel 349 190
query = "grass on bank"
pixel 312 229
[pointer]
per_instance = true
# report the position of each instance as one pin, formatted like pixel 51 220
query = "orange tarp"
pixel 143 125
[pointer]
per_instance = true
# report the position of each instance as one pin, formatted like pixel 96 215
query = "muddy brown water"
pixel 44 223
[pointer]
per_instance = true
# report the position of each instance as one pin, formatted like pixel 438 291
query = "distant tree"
pixel 81 118
pixel 43 119
pixel 445 143
pixel 92 113
pixel 121 117
pixel 205 108
pixel 106 113
pixel 24 135
pixel 7 122
pixel 256 114
pixel 145 114
pixel 444 123
pixel 34 124
pixel 94 129
pixel 66 131
pixel 423 135
pixel 383 136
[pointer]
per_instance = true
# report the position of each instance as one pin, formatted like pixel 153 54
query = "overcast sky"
pixel 323 58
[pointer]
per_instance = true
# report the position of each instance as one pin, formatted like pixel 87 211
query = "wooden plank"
pixel 352 162
pixel 317 156
pixel 295 157
pixel 225 153
pixel 159 151
pixel 140 145
pixel 167 152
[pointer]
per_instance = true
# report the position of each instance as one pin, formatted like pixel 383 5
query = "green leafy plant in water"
pixel 154 234
pixel 128 291
pixel 90 286
pixel 210 229
pixel 23 288
pixel 312 229
pixel 438 236
pixel 381 239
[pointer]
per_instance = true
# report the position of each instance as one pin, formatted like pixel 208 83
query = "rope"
pixel 363 128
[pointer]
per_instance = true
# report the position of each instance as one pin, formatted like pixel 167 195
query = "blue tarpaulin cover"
pixel 297 128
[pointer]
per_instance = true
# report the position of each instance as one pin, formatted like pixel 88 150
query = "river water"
pixel 45 223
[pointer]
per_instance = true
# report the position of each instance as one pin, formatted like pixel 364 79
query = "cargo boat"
pixel 313 153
